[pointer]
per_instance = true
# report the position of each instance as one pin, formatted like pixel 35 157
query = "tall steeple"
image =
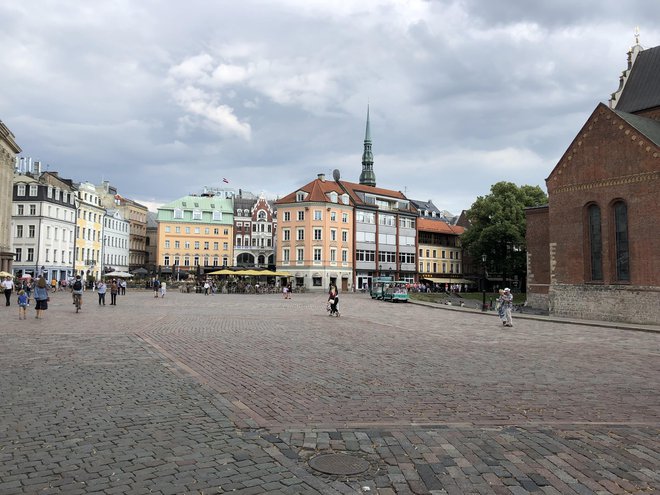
pixel 367 177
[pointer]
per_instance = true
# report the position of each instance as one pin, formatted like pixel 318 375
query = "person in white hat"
pixel 507 302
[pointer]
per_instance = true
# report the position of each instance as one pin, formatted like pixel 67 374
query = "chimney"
pixel 321 177
pixel 37 168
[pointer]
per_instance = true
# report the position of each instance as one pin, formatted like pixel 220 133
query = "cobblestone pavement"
pixel 236 393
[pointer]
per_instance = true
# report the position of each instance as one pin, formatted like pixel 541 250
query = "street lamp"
pixel 483 288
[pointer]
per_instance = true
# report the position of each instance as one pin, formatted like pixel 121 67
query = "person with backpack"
pixel 77 290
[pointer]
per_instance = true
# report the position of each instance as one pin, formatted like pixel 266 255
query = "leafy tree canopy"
pixel 497 223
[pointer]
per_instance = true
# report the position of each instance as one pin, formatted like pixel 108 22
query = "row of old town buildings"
pixel 592 252
pixel 328 232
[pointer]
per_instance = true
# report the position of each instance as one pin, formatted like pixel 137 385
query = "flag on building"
pixel 226 181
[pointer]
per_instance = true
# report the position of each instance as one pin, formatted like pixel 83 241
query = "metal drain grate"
pixel 343 464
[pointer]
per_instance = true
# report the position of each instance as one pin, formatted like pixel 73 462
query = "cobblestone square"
pixel 236 393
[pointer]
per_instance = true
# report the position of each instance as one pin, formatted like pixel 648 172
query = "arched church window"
pixel 595 242
pixel 621 241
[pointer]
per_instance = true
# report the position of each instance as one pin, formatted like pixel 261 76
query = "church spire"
pixel 367 177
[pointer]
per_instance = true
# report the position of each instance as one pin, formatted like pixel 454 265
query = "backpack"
pixel 77 285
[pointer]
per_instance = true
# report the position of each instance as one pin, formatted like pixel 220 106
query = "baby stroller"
pixel 332 307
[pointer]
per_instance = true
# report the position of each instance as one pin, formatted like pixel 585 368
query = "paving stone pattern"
pixel 236 393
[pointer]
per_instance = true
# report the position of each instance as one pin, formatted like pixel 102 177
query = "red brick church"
pixel 594 250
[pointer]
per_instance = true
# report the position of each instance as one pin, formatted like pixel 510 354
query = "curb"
pixel 552 319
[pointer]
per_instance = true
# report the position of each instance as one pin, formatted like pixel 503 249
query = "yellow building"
pixel 315 236
pixel 440 258
pixel 89 232
pixel 195 235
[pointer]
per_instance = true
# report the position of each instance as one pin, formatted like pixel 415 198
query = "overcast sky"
pixel 162 98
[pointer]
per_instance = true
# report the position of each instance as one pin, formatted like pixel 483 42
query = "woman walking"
pixel 41 296
pixel 8 287
pixel 101 289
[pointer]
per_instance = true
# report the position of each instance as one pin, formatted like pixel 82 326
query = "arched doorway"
pixel 245 259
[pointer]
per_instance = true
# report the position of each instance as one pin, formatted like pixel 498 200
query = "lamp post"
pixel 483 288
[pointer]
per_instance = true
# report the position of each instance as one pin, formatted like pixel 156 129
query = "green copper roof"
pixel 203 209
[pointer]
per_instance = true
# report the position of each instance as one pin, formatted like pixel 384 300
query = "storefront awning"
pixel 436 280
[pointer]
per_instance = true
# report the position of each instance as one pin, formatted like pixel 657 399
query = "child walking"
pixel 22 305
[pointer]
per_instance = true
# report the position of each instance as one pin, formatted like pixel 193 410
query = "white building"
pixel 116 234
pixel 43 224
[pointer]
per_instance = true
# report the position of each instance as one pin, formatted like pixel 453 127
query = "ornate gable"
pixel 607 151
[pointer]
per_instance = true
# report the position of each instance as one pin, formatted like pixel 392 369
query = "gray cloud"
pixel 162 98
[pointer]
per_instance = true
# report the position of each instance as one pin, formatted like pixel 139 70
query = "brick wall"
pixel 606 303
pixel 538 262
pixel 608 161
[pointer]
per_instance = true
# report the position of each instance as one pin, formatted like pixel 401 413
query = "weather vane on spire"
pixel 637 35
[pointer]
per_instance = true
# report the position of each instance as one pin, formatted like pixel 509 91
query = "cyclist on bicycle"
pixel 77 290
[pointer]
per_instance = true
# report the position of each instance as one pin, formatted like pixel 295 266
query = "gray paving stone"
pixel 192 394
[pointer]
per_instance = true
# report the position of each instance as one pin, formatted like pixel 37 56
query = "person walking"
pixel 114 290
pixel 41 296
pixel 507 302
pixel 122 287
pixel 206 287
pixel 156 287
pixel 163 289
pixel 500 307
pixel 23 302
pixel 101 289
pixel 333 301
pixel 8 286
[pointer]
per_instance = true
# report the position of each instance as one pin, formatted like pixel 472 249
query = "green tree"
pixel 497 228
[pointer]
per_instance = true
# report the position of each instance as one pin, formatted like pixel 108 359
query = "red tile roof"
pixel 428 225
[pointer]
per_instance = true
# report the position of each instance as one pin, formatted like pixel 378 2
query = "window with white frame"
pixel 33 189
pixel 300 254
pixel 20 210
pixel 300 234
pixel 317 254
pixel 318 215
pixel 344 218
pixel 178 213
pixel 287 216
pixel 301 215
pixel 333 255
pixel 167 244
pixel 217 216
pixel 344 255
pixel 20 190
pixel 285 254
pixel 286 234
pixel 344 235
pixel 318 234
pixel 31 230
pixel 333 234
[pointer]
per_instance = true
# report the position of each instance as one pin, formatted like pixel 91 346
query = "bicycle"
pixel 77 301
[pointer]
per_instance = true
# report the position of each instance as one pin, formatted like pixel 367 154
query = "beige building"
pixel 8 151
pixel 136 214
pixel 195 235
pixel 314 235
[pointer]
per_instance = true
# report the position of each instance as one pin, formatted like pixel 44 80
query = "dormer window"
pixel 183 203
pixel 217 215
pixel 344 198
pixel 333 197
pixel 300 196
pixel 178 213
pixel 197 214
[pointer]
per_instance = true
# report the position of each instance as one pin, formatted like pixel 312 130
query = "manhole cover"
pixel 338 464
